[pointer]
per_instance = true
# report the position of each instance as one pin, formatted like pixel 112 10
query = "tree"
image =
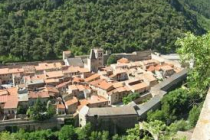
pixel 133 133
pixel 156 128
pixel 95 135
pixel 111 60
pixel 130 97
pixel 21 109
pixel 194 115
pixel 196 49
pixel 174 105
pixel 40 112
pixel 116 137
pixel 156 115
pixel 67 132
pixel 84 132
pixel 6 136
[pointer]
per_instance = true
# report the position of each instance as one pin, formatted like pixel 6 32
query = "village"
pixel 79 83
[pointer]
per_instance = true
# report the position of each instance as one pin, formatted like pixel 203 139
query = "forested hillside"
pixel 201 6
pixel 199 10
pixel 42 29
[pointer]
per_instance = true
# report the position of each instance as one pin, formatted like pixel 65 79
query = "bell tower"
pixel 96 59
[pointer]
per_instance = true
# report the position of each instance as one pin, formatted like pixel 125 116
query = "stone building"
pixel 96 60
pixel 112 119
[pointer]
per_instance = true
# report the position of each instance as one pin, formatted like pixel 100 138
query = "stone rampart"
pixel 202 128
pixel 135 56
pixel 32 125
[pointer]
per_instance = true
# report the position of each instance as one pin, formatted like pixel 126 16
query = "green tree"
pixel 67 132
pixel 6 136
pixel 130 97
pixel 84 132
pixel 40 112
pixel 194 115
pixel 196 49
pixel 95 135
pixel 111 60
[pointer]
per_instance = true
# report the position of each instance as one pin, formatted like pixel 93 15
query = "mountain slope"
pixel 200 10
pixel 41 29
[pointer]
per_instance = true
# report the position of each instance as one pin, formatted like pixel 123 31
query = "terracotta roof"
pixel 36 77
pixel 82 103
pixel 119 90
pixel 73 87
pixel 123 60
pixel 47 66
pixel 118 84
pixel 4 71
pixel 92 77
pixel 51 89
pixel 3 98
pixel 63 84
pixel 71 101
pixel 71 69
pixel 78 80
pixel 96 82
pixel 151 68
pixel 166 67
pixel 40 94
pixel 4 92
pixel 105 85
pixel 54 74
pixel 51 81
pixel 16 70
pixel 139 86
pixel 12 98
pixel 77 87
pixel 60 106
pixel 149 77
pixel 96 99
pixel 149 62
pixel 11 71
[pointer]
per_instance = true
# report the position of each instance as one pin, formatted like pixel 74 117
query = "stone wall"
pixel 135 56
pixel 20 64
pixel 202 128
pixel 159 90
pixel 113 124
pixel 170 83
pixel 32 125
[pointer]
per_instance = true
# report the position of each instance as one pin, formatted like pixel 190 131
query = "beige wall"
pixel 72 108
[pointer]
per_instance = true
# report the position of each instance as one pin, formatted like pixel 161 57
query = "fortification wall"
pixel 20 64
pixel 32 125
pixel 202 128
pixel 135 56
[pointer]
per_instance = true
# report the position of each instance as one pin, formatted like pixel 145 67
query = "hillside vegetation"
pixel 42 29
pixel 199 10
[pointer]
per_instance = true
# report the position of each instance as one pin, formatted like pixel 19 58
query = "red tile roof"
pixel 123 60
pixel 96 99
pixel 92 77
pixel 60 106
pixel 71 101
pixel 139 86
pixel 12 98
pixel 40 94
pixel 63 84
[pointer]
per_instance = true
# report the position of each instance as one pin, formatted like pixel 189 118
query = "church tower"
pixel 96 59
